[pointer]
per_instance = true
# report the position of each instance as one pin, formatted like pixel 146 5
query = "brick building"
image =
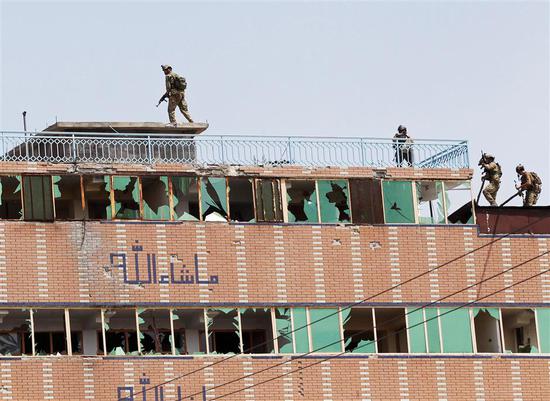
pixel 129 259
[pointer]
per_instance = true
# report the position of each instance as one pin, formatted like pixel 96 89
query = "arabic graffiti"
pixel 126 393
pixel 178 275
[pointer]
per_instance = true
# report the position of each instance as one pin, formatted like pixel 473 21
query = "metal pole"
pixel 480 189
pixel 510 198
pixel 149 150
pixel 25 121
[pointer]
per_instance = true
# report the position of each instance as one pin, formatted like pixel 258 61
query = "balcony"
pixel 152 148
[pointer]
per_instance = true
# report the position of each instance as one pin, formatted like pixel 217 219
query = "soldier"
pixel 402 143
pixel 175 92
pixel 492 174
pixel 531 183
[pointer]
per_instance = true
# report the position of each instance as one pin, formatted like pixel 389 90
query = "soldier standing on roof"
pixel 531 183
pixel 175 92
pixel 402 143
pixel 492 174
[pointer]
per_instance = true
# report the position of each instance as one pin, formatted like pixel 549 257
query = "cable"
pixel 347 307
pixel 342 353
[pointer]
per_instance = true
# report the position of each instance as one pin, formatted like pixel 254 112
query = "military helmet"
pixel 165 66
pixel 488 156
pixel 401 128
pixel 519 168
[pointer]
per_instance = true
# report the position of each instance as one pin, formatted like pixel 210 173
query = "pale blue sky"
pixel 464 70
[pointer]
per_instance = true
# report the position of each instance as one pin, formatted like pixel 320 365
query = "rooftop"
pixel 150 143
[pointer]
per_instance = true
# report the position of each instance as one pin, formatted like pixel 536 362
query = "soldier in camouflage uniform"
pixel 531 183
pixel 492 174
pixel 175 91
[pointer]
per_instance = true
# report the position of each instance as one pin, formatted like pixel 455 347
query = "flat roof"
pixel 126 127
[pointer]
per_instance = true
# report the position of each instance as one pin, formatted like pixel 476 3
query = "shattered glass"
pixel 97 196
pixel 156 200
pixel 358 330
pixel 268 200
pixel 520 330
pixel 223 331
pixel 398 202
pixel 185 198
pixel 10 197
pixel 214 199
pixel 120 331
pixel 458 197
pixel 155 333
pixel 49 332
pixel 189 331
pixel 68 197
pixel 429 196
pixel 15 332
pixel 487 329
pixel 257 330
pixel 334 201
pixel 283 322
pixel 86 338
pixel 301 201
pixel 241 199
pixel 126 196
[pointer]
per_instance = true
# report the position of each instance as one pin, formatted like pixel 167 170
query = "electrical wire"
pixel 368 343
pixel 346 307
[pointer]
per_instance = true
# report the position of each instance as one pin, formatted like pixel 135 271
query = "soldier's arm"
pixel 168 85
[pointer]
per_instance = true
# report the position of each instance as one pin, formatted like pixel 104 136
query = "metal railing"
pixel 230 150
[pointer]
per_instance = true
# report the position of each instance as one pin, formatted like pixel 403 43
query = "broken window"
pixel 156 200
pixel 543 326
pixel 223 331
pixel 456 330
pixel 398 202
pixel 97 196
pixel 10 197
pixel 49 332
pixel 86 337
pixel 325 330
pixel 37 197
pixel 155 331
pixel 301 199
pixel 416 329
pixel 189 331
pixel 429 196
pixel 283 323
pixel 520 331
pixel 126 197
pixel 487 329
pixel 241 199
pixel 185 198
pixel 334 201
pixel 358 330
pixel 458 198
pixel 268 200
pixel 433 330
pixel 257 331
pixel 366 205
pixel 301 337
pixel 391 330
pixel 213 199
pixel 68 197
pixel 15 332
pixel 120 331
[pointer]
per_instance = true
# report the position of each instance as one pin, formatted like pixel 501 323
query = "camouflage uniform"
pixel 492 175
pixel 176 99
pixel 532 191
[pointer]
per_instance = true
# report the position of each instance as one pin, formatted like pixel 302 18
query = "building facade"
pixel 275 279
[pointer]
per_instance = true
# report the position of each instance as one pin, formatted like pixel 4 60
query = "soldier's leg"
pixel 489 192
pixel 173 101
pixel 184 110
pixel 530 198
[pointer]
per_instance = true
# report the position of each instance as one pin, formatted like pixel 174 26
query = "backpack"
pixel 179 83
pixel 537 182
pixel 498 171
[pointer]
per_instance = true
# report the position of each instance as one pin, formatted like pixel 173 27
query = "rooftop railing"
pixel 231 150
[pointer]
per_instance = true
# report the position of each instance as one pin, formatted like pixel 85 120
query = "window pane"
pixel 268 200
pixel 189 331
pixel 456 330
pixel 300 330
pixel 487 329
pixel 154 331
pixel 398 202
pixel 10 197
pixel 49 331
pixel 67 196
pixel 283 322
pixel 15 332
pixel 458 198
pixel 37 197
pixel 366 201
pixel 432 327
pixel 391 330
pixel 213 199
pixel 301 201
pixel 334 201
pixel 97 197
pixel 86 331
pixel 429 196
pixel 223 331
pixel 543 325
pixel 358 330
pixel 241 199
pixel 325 333
pixel 120 331
pixel 520 331
pixel 257 331
pixel 126 194
pixel 156 202
pixel 417 334
pixel 185 198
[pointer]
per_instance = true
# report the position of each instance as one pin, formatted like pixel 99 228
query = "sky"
pixel 478 71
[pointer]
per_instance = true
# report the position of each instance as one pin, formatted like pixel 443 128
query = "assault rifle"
pixel 162 99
